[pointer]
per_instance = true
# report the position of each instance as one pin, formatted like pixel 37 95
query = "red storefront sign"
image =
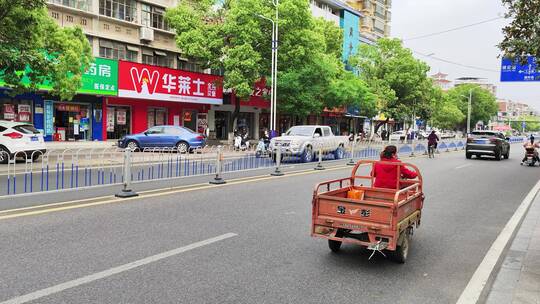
pixel 157 83
pixel 260 97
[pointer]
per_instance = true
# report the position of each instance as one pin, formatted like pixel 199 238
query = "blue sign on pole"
pixel 523 124
pixel 513 71
pixel 49 120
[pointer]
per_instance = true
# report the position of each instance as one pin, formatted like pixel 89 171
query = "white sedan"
pixel 19 139
pixel 397 136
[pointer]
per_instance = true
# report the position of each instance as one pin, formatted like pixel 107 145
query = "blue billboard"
pixel 513 71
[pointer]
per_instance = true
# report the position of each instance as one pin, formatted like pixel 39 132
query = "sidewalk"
pixel 59 145
pixel 518 280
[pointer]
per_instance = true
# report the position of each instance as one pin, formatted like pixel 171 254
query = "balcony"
pixel 83 5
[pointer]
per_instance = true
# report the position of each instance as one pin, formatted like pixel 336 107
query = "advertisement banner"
pixel 9 111
pixel 110 119
pixel 24 112
pixel 202 123
pixel 121 117
pixel 49 117
pixel 100 79
pixel 158 83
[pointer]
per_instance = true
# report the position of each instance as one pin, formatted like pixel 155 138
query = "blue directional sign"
pixel 513 71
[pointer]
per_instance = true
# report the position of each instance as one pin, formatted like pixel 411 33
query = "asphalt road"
pixel 265 253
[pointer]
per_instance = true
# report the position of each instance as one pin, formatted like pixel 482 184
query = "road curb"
pixel 482 280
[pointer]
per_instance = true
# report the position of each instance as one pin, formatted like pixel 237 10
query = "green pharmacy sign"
pixel 100 79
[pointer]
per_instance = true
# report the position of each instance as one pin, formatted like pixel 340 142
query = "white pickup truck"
pixel 306 141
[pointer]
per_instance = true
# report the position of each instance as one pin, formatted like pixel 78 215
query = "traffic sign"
pixel 514 71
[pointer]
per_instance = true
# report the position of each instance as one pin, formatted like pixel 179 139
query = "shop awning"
pixel 502 128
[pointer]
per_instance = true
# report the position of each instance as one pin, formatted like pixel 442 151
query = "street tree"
pixel 398 80
pixel 35 50
pixel 483 102
pixel 446 114
pixel 522 35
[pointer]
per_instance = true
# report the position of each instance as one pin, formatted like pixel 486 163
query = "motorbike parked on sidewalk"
pixel 241 142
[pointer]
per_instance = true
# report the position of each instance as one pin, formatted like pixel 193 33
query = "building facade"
pixel 440 80
pixel 376 19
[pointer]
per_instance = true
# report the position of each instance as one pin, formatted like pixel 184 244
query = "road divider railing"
pixel 59 170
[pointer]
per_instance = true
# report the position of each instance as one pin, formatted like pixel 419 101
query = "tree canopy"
pixel 398 80
pixel 532 123
pixel 34 47
pixel 522 35
pixel 483 102
pixel 230 36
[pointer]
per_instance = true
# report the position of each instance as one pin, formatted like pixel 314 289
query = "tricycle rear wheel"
pixel 402 250
pixel 334 245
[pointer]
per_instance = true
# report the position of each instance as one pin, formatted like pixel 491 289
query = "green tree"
pixel 32 42
pixel 522 35
pixel 447 114
pixel 398 79
pixel 483 102
pixel 532 123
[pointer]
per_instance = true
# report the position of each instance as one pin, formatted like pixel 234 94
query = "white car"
pixel 20 139
pixel 397 136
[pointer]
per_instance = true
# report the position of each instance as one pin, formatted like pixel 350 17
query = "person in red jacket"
pixel 386 174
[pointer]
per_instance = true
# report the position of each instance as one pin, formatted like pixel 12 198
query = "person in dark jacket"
pixel 433 139
pixel 386 174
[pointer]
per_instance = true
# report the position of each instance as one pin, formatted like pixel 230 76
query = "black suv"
pixel 486 142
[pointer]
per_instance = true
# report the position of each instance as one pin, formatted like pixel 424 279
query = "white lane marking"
pixel 463 166
pixel 112 271
pixel 474 288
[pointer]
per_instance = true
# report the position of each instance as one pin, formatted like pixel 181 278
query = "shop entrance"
pixel 118 122
pixel 222 125
pixel 71 121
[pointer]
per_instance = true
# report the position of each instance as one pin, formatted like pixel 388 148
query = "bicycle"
pixel 431 151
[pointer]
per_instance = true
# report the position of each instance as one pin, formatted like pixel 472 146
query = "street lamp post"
pixel 273 90
pixel 274 57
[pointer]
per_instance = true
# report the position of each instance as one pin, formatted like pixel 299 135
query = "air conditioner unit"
pixel 147 34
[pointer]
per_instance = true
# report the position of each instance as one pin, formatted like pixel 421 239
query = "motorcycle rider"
pixel 530 145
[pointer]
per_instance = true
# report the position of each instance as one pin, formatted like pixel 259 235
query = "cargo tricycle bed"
pixel 352 210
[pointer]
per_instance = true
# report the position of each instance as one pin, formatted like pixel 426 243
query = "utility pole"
pixel 469 113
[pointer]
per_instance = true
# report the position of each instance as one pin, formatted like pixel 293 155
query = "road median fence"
pixel 59 170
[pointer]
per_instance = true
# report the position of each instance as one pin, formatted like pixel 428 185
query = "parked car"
pixel 182 139
pixel 20 139
pixel 485 142
pixel 304 141
pixel 397 136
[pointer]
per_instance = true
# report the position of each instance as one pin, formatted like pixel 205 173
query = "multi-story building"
pixel 375 22
pixel 482 82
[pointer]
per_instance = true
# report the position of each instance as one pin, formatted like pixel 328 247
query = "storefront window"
pixel 118 122
pixel 189 120
pixel 156 117
pixel 16 110
pixel 71 121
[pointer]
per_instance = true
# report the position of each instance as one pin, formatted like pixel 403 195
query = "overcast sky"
pixel 474 46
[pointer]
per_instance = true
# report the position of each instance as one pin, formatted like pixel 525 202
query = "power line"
pixel 453 29
pixel 456 63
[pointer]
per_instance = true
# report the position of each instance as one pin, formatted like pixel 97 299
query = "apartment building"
pixel 376 19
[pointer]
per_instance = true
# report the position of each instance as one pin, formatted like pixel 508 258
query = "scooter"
pixel 531 158
pixel 262 148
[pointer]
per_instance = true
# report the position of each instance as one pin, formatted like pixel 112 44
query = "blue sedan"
pixel 180 138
